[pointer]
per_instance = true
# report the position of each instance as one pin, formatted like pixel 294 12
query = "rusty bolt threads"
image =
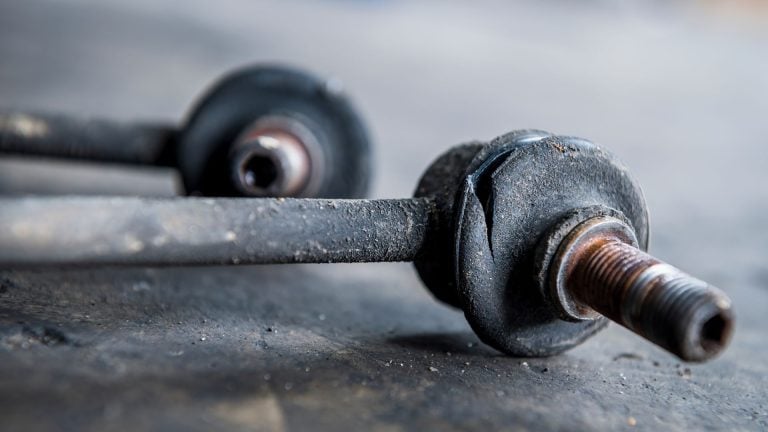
pixel 672 309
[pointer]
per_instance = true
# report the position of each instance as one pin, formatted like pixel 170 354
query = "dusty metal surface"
pixel 506 207
pixel 68 137
pixel 663 86
pixel 61 231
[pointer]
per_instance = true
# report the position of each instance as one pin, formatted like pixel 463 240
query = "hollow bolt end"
pixel 598 270
pixel 270 163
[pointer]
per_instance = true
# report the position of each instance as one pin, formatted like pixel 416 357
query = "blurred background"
pixel 677 89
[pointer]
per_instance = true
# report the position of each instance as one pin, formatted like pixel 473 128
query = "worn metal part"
pixel 435 264
pixel 508 195
pixel 599 270
pixel 319 145
pixel 277 156
pixel 486 228
pixel 194 231
pixel 294 102
pixel 42 134
pixel 503 212
pixel 555 258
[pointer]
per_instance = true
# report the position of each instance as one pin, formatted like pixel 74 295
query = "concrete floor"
pixel 677 89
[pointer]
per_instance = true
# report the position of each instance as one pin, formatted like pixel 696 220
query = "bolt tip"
pixel 710 333
pixel 599 269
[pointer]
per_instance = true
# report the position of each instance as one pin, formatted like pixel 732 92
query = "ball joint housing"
pixel 544 238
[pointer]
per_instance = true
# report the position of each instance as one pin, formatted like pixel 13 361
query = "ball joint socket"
pixel 599 270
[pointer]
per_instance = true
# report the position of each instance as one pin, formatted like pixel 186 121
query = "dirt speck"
pixel 627 356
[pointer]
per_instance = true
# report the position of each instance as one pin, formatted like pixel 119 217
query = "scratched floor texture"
pixel 679 90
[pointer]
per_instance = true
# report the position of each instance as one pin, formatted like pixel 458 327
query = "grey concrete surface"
pixel 679 90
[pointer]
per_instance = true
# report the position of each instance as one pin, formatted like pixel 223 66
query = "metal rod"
pixel 40 134
pixel 196 231
pixel 682 314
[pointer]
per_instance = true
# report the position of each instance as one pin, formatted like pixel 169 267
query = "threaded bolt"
pixel 599 270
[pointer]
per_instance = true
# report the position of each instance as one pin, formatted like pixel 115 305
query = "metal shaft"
pixel 672 309
pixel 47 135
pixel 196 231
